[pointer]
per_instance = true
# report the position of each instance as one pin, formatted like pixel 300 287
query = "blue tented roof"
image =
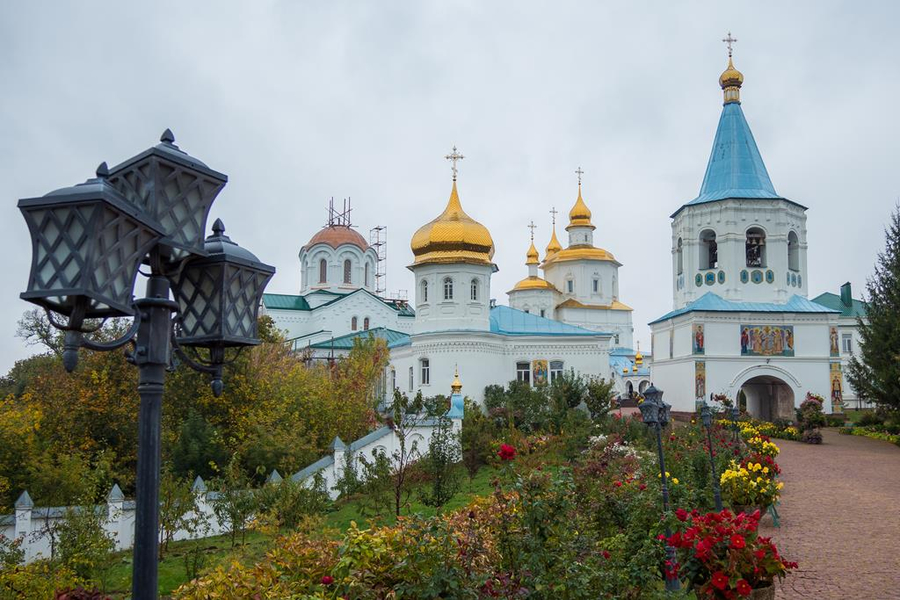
pixel 345 342
pixel 710 302
pixel 735 168
pixel 510 321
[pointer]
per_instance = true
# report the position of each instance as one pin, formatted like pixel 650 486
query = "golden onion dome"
pixel 554 246
pixel 456 386
pixel 731 80
pixel 634 368
pixel 580 215
pixel 638 358
pixel 533 283
pixel 580 252
pixel 453 237
pixel 532 257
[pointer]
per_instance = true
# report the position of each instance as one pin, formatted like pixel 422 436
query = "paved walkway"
pixel 840 518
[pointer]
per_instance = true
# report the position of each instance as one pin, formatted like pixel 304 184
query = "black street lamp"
pixel 88 243
pixel 706 416
pixel 655 414
pixel 735 415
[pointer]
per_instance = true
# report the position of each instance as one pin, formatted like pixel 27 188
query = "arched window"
pixel 709 250
pixel 353 324
pixel 679 260
pixel 756 247
pixel 424 290
pixel 595 284
pixel 366 324
pixel 411 382
pixel 323 271
pixel 474 289
pixel 570 286
pixel 347 272
pixel 448 289
pixel 366 280
pixel 793 252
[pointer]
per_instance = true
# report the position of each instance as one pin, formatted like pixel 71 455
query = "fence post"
pixel 115 502
pixel 274 477
pixel 339 450
pixel 203 506
pixel 23 507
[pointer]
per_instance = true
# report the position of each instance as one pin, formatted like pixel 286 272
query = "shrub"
pixel 599 397
pixel 475 438
pixel 870 418
pixel 811 436
pixel 39 579
pixel 439 464
pixel 810 414
pixel 287 503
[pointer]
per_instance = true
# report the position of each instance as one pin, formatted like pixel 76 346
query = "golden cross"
pixel 532 227
pixel 579 172
pixel 554 212
pixel 453 157
pixel 729 41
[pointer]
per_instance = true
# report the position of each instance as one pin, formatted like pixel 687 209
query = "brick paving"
pixel 840 518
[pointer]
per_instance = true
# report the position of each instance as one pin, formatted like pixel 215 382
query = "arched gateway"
pixel 769 392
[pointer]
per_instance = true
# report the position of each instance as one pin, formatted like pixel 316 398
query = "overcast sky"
pixel 300 101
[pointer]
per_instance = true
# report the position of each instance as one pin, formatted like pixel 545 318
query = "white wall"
pixel 436 313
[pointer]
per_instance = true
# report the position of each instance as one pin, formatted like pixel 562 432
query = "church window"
pixel 570 286
pixel 323 271
pixel 366 280
pixel 347 271
pixel 411 382
pixel 543 312
pixel 366 324
pixel 425 371
pixel 596 285
pixel 448 289
pixel 353 323
pixel 616 339
pixel 679 259
pixel 474 289
pixel 393 379
pixel 709 250
pixel 793 252
pixel 527 311
pixel 523 372
pixel 756 247
pixel 556 370
pixel 847 343
pixel 424 290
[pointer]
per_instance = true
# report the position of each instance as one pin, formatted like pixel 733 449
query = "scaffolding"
pixel 378 241
pixel 338 218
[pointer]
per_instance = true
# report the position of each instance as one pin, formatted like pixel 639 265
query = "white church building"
pixel 741 322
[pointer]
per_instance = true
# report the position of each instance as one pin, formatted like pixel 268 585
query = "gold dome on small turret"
pixel 554 246
pixel 639 358
pixel 456 386
pixel 580 215
pixel 532 257
pixel 731 80
pixel 453 237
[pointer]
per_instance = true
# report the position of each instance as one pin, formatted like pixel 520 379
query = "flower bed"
pixel 871 432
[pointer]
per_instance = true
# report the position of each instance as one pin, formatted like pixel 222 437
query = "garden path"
pixel 839 518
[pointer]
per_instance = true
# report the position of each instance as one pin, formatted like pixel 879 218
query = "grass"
pixel 854 415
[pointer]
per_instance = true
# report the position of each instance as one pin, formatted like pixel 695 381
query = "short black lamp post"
pixel 735 415
pixel 655 414
pixel 706 417
pixel 88 243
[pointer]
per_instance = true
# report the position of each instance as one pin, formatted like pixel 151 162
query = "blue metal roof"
pixel 510 321
pixel 619 362
pixel 345 342
pixel 711 302
pixel 736 168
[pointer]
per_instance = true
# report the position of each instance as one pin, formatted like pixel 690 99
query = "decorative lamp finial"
pixel 103 170
pixel 453 157
pixel 167 136
pixel 218 227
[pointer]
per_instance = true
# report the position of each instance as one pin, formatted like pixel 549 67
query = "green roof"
pixel 285 302
pixel 345 342
pixel 857 308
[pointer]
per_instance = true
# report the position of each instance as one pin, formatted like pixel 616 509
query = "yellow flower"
pixel 675 480
pixel 765 469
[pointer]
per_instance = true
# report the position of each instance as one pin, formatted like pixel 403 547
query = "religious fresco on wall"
pixel 700 379
pixel 539 372
pixel 698 338
pixel 834 349
pixel 767 340
pixel 837 388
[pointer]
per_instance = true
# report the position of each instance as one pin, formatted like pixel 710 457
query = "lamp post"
pixel 655 414
pixel 735 415
pixel 88 243
pixel 706 416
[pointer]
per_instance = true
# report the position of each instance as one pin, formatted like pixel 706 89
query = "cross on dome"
pixel 579 172
pixel 729 41
pixel 553 213
pixel 532 227
pixel 454 157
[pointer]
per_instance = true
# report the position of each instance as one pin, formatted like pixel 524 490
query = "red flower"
pixel 681 514
pixel 737 542
pixel 327 580
pixel 642 487
pixel 506 452
pixel 605 554
pixel 617 483
pixel 760 554
pixel 720 580
pixel 743 588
